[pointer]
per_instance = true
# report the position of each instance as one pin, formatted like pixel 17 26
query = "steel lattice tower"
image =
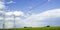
pixel 2 14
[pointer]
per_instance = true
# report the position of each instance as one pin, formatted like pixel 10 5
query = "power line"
pixel 40 4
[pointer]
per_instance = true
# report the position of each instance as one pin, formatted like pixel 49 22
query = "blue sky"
pixel 30 13
pixel 26 5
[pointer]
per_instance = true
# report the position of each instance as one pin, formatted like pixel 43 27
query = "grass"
pixel 38 28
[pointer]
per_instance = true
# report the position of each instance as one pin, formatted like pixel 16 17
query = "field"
pixel 38 28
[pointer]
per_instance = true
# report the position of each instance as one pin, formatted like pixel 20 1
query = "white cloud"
pixel 2 6
pixel 9 16
pixel 35 20
pixel 19 22
pixel 18 13
pixel 2 2
pixel 9 13
pixel 44 16
pixel 1 18
pixel 9 24
pixel 10 2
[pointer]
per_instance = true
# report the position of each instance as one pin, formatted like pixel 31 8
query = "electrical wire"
pixel 40 4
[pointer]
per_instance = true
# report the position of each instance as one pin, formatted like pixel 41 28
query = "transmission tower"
pixel 2 13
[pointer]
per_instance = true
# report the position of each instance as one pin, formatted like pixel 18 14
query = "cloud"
pixel 9 24
pixel 9 17
pixel 2 5
pixel 19 22
pixel 18 13
pixel 1 18
pixel 9 13
pixel 43 19
pixel 10 2
pixel 2 2
pixel 48 17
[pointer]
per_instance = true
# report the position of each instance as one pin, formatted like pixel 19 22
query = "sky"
pixel 26 5
pixel 29 13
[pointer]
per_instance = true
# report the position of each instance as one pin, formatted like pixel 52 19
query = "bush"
pixel 25 27
pixel 48 26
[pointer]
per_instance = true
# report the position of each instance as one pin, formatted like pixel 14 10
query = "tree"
pixel 25 27
pixel 48 26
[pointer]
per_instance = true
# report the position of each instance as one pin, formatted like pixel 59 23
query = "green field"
pixel 38 28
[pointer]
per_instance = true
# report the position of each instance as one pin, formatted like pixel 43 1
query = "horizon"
pixel 29 13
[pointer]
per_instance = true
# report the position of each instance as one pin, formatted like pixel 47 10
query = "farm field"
pixel 37 28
